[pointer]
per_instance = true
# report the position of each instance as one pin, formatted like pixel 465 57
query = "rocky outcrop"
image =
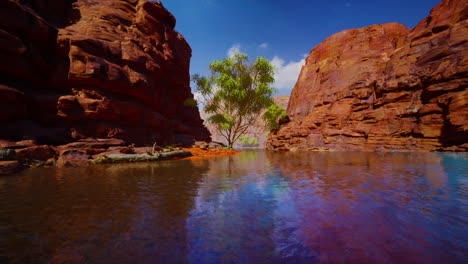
pixel 9 167
pixel 259 130
pixel 384 87
pixel 74 69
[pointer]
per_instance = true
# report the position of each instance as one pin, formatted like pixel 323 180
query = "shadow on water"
pixel 256 207
pixel 132 213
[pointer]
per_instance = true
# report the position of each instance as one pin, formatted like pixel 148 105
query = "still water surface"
pixel 253 208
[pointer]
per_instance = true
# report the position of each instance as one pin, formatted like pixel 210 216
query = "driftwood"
pixel 122 158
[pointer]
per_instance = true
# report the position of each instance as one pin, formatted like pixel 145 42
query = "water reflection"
pixel 367 207
pixel 253 208
pixel 102 214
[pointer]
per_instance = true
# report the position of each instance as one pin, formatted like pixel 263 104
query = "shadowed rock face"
pixel 94 68
pixel 384 87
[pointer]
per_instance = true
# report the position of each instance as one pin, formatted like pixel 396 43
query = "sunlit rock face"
pixel 94 68
pixel 384 87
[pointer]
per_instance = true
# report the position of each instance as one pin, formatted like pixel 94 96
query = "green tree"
pixel 235 93
pixel 250 141
pixel 274 115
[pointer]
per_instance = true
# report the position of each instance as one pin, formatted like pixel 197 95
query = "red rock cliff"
pixel 384 87
pixel 94 68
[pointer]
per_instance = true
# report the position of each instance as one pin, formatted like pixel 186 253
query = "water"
pixel 253 208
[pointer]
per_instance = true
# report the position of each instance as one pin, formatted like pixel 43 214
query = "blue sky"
pixel 283 31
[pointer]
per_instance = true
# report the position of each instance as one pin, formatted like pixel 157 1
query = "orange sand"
pixel 199 153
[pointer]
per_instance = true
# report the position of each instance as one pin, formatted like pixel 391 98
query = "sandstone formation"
pixel 9 167
pixel 73 69
pixel 258 130
pixel 384 87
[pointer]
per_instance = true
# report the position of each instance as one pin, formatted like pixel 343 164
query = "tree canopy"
pixel 235 93
pixel 248 141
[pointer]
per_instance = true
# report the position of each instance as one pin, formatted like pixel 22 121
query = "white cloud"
pixel 263 45
pixel 286 74
pixel 233 50
pixel 199 98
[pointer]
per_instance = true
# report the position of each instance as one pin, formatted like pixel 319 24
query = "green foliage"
pixel 190 102
pixel 235 93
pixel 245 140
pixel 273 115
pixel 225 148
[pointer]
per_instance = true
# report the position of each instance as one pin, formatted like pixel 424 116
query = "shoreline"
pixel 26 154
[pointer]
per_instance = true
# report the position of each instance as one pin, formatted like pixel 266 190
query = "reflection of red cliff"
pixel 351 205
pixel 384 87
pixel 107 68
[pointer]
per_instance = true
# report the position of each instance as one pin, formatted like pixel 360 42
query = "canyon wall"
pixel 73 69
pixel 384 87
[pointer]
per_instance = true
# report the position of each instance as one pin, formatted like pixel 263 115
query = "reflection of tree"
pixel 129 213
pixel 234 217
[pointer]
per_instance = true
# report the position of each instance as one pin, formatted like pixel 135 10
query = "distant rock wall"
pixel 384 87
pixel 94 68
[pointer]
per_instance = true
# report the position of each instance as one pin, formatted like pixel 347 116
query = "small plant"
pixel 225 148
pixel 170 147
pixel 190 102
pixel 274 116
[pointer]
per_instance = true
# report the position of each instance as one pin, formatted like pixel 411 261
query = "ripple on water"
pixel 256 207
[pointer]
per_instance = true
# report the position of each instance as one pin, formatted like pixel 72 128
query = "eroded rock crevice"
pixel 86 68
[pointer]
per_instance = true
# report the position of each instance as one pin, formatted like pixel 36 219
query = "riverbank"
pixel 20 155
pixel 198 153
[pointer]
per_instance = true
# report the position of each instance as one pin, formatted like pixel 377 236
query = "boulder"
pixel 35 153
pixel 9 167
pixel 143 150
pixel 16 144
pixel 115 150
pixel 73 158
pixel 201 144
pixel 216 145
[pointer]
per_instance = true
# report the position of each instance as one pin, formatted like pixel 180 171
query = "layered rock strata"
pixel 384 87
pixel 94 68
